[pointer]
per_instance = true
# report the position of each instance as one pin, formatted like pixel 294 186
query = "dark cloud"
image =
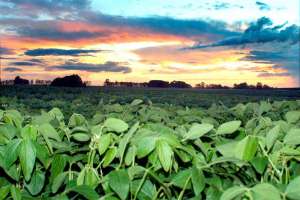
pixel 106 67
pixel 12 69
pixel 269 74
pixel 6 51
pixel 59 52
pixel 23 63
pixel 221 5
pixel 262 6
pixel 261 31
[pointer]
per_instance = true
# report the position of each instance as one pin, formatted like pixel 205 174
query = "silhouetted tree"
pixel 179 84
pixel 68 81
pixel 158 83
pixel 20 81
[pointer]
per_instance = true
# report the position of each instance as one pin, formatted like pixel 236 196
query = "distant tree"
pixel 68 81
pixel 158 83
pixel 20 81
pixel 200 85
pixel 241 86
pixel 259 85
pixel 179 84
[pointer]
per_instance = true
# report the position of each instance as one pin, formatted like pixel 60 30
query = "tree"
pixel 158 83
pixel 179 84
pixel 20 81
pixel 68 81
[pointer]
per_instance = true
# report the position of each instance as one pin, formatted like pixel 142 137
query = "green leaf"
pixel 292 116
pixel 292 137
pixel 165 154
pixel 130 155
pixel 260 164
pixel 109 156
pixel 136 102
pixel 293 189
pixel 145 145
pixel 15 193
pixel 29 132
pixel 57 166
pixel 36 183
pixel 48 131
pixel 58 181
pixel 272 136
pixel 12 152
pixel 4 190
pixel 197 130
pixel 198 181
pixel 228 127
pixel 246 148
pixel 115 125
pixel 81 137
pixel 85 191
pixel 265 191
pixel 146 192
pixel 103 143
pixel 181 177
pixel 27 156
pixel 233 192
pixel 119 182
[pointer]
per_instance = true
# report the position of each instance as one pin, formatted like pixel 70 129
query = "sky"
pixel 212 41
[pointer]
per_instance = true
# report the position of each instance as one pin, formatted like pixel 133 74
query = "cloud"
pixel 6 51
pixel 23 63
pixel 259 32
pixel 270 74
pixel 262 6
pixel 59 52
pixel 221 5
pixel 12 69
pixel 106 67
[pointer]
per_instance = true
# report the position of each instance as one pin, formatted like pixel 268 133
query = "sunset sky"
pixel 215 41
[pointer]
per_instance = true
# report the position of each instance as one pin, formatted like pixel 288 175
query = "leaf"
pixel 4 190
pixel 265 191
pixel 145 145
pixel 232 193
pixel 115 125
pixel 12 152
pixel 181 177
pixel 119 182
pixel 292 116
pixel 15 193
pixel 146 192
pixel 228 127
pixel 103 143
pixel 27 156
pixel 58 181
pixel 198 181
pixel 246 148
pixel 272 136
pixel 85 191
pixel 130 155
pixel 260 164
pixel 293 189
pixel 165 154
pixel 81 137
pixel 109 156
pixel 136 102
pixel 292 137
pixel 57 166
pixel 36 182
pixel 29 132
pixel 48 131
pixel 197 130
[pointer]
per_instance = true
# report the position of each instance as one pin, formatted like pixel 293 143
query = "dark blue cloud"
pixel 59 52
pixel 6 51
pixel 106 67
pixel 259 32
pixel 12 69
pixel 262 6
pixel 23 63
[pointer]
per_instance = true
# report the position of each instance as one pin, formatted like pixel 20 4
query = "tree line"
pixel 76 81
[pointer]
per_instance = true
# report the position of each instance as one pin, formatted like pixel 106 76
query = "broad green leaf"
pixel 42 154
pixel 81 137
pixel 56 113
pixel 58 182
pixel 292 116
pixel 103 143
pixel 272 136
pixel 88 176
pixel 246 148
pixel 136 102
pixel 232 193
pixel 29 132
pixel 119 182
pixel 198 130
pixel 85 191
pixel 147 190
pixel 57 166
pixel 110 156
pixel 265 191
pixel 130 155
pixel 198 180
pixel 27 156
pixel 115 125
pixel 36 182
pixel 260 164
pixel 145 145
pixel 293 189
pixel 15 193
pixel 181 177
pixel 292 137
pixel 228 127
pixel 165 154
pixel 48 131
pixel 12 152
